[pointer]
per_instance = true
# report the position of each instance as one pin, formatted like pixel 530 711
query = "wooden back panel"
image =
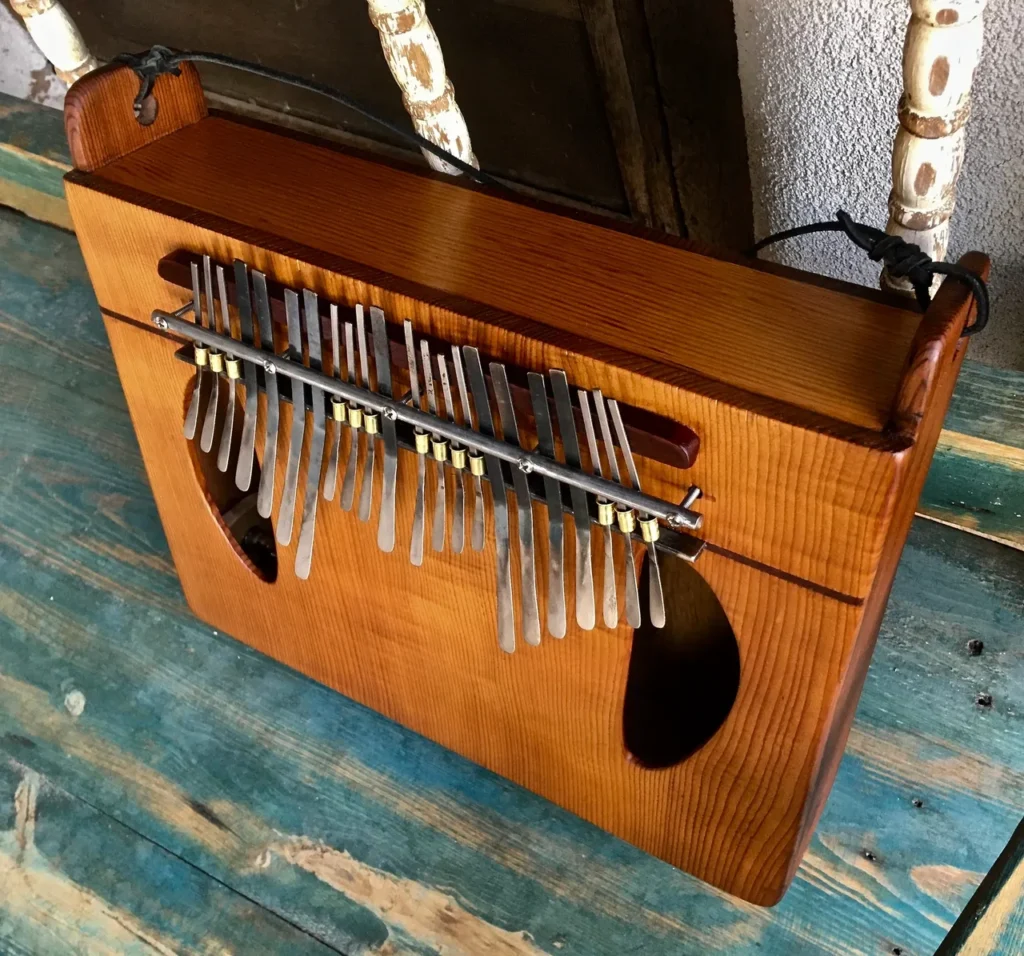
pixel 807 498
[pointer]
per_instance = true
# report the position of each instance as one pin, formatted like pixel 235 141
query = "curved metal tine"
pixel 656 597
pixel 632 586
pixel 499 496
pixel 440 492
pixel 192 415
pixel 553 495
pixel 459 515
pixel 416 545
pixel 331 477
pixel 524 509
pixel 479 515
pixel 286 518
pixel 227 431
pixel 610 603
pixel 366 488
pixel 348 487
pixel 265 495
pixel 307 530
pixel 210 422
pixel 389 433
pixel 585 616
pixel 247 446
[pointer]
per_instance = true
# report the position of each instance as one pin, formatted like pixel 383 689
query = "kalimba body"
pixel 712 741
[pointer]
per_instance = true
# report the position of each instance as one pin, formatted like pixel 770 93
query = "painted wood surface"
pixel 993 921
pixel 363 835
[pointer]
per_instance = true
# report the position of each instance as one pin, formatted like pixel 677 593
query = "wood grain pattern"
pixel 741 810
pixel 836 353
pixel 183 727
pixel 99 121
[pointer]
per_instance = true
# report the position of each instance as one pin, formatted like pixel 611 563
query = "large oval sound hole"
pixel 683 678
pixel 251 535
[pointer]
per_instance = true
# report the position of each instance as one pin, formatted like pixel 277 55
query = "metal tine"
pixel 499 496
pixel 216 358
pixel 422 444
pixel 227 431
pixel 632 587
pixel 479 515
pixel 458 459
pixel 553 495
pixel 331 477
pixel 655 596
pixel 389 481
pixel 307 531
pixel 605 509
pixel 192 416
pixel 440 450
pixel 355 420
pixel 580 508
pixel 524 505
pixel 286 518
pixel 265 495
pixel 247 445
pixel 370 423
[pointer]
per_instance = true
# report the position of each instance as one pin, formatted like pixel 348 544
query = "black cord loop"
pixel 903 259
pixel 158 60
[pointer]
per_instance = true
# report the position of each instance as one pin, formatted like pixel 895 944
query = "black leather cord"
pixel 158 60
pixel 902 259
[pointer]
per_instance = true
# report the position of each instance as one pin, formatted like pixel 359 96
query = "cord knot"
pixel 148 65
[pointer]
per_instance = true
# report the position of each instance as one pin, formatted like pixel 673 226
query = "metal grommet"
pixel 476 463
pixel 355 416
pixel 605 513
pixel 201 355
pixel 649 529
pixel 234 367
pixel 440 448
pixel 458 457
pixel 422 443
pixel 371 423
pixel 338 408
pixel 216 361
pixel 626 519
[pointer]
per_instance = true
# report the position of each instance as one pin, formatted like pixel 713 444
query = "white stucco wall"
pixel 820 82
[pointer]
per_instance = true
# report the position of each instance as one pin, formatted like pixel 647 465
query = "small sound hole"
pixel 251 535
pixel 683 678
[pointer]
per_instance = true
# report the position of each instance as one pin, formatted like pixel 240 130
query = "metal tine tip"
pixel 286 518
pixel 632 585
pixel 656 597
pixel 331 476
pixel 389 433
pixel 247 443
pixel 458 454
pixel 440 492
pixel 366 488
pixel 265 493
pixel 227 430
pixel 210 420
pixel 416 543
pixel 479 515
pixel 314 464
pixel 348 487
pixel 192 415
pixel 610 604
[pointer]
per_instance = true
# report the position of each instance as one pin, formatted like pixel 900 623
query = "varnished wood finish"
pixel 101 125
pixel 805 514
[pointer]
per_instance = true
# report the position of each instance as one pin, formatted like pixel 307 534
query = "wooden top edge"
pixel 676 376
pixel 806 343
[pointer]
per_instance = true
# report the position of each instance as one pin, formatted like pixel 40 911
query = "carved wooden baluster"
pixel 413 52
pixel 942 49
pixel 56 35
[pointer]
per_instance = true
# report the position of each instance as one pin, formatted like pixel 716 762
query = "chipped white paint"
pixel 413 53
pixel 423 913
pixel 74 703
pixel 940 55
pixel 56 34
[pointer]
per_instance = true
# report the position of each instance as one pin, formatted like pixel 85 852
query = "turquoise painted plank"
pixel 989 403
pixel 366 835
pixel 33 150
pixel 993 921
pixel 74 880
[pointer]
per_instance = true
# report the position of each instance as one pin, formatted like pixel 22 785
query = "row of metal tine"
pixel 454 387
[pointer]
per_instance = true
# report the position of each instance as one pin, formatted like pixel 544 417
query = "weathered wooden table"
pixel 164 789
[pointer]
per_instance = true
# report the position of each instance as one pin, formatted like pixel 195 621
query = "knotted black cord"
pixel 158 60
pixel 903 260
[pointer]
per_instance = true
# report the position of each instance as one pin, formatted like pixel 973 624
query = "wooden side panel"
pixel 101 125
pixel 774 493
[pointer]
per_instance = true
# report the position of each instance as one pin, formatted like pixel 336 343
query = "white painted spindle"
pixel 56 35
